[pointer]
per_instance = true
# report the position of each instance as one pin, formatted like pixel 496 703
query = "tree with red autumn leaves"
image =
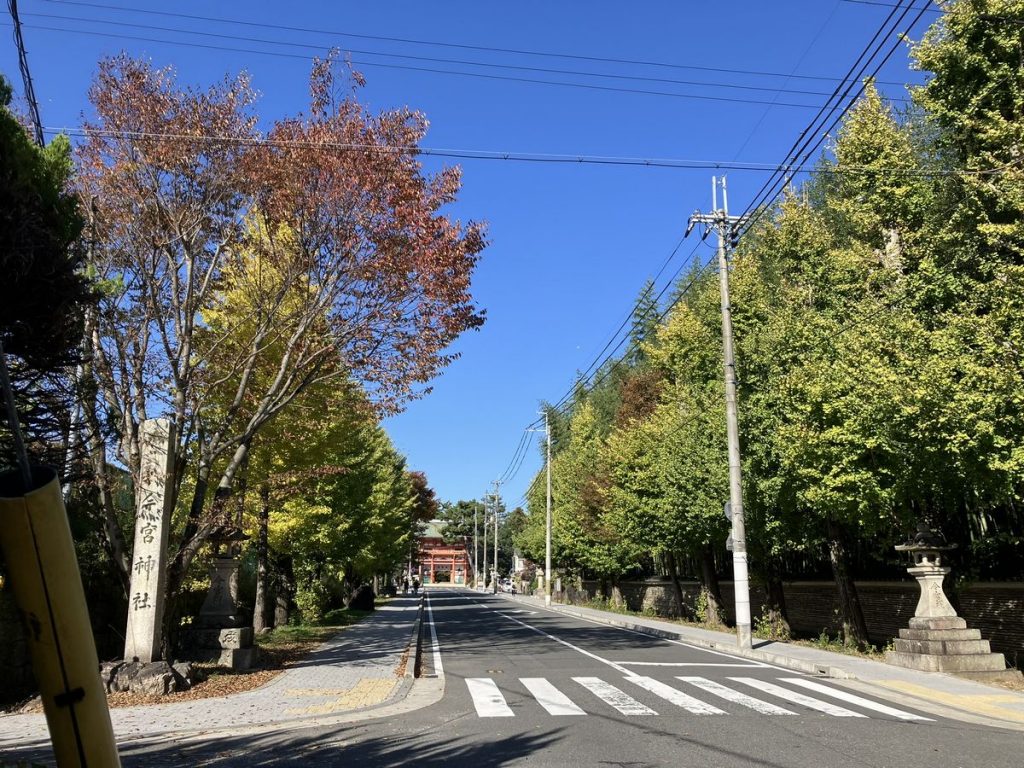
pixel 240 269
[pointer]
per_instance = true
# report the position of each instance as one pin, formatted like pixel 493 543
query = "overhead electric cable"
pixel 437 43
pixel 431 70
pixel 414 57
pixel 475 154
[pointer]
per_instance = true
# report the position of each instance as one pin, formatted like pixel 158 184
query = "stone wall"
pixel 16 679
pixel 997 609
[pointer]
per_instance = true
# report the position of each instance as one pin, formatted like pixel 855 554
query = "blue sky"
pixel 570 244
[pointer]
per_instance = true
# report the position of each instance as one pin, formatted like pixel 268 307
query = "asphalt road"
pixel 525 686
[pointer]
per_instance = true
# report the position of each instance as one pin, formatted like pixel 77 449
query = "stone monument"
pixel 938 640
pixel 221 632
pixel 148 569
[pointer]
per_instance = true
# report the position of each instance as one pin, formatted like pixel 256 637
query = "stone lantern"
pixel 938 640
pixel 221 632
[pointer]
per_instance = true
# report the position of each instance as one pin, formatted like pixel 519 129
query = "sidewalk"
pixel 354 672
pixel 934 692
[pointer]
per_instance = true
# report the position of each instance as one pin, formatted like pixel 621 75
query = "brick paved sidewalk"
pixel 356 669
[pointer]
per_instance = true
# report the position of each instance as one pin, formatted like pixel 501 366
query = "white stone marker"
pixel 152 524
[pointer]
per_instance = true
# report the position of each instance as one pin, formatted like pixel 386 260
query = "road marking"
pixel 609 694
pixel 549 697
pixel 487 698
pixel 675 696
pixel 682 664
pixel 797 698
pixel 566 643
pixel 860 701
pixel 1003 706
pixel 716 688
pixel 438 666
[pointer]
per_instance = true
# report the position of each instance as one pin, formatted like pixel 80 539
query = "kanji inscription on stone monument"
pixel 152 521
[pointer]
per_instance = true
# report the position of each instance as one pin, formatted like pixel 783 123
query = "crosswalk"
pixel 688 695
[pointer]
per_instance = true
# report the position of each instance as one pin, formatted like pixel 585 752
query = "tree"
pixel 370 281
pixel 45 291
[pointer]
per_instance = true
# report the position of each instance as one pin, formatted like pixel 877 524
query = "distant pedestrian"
pixel 415 585
pixel 405 585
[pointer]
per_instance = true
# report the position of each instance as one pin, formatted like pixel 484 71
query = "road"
pixel 527 686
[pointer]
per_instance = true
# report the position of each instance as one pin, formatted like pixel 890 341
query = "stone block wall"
pixel 997 609
pixel 16 678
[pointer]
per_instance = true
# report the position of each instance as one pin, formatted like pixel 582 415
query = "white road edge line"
pixel 435 645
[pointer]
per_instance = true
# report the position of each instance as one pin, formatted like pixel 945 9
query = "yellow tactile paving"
pixel 990 704
pixel 367 692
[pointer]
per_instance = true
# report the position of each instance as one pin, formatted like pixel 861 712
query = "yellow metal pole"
pixel 43 570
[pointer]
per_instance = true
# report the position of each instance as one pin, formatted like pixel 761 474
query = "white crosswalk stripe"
pixel 490 702
pixel 549 697
pixel 609 694
pixel 851 698
pixel 487 698
pixel 716 688
pixel 797 698
pixel 675 696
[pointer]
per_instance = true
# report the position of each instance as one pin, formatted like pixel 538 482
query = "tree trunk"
pixel 710 588
pixel 775 608
pixel 854 627
pixel 259 612
pixel 677 587
pixel 283 593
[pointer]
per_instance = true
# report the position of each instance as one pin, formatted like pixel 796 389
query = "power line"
pixel 442 44
pixel 769 188
pixel 887 5
pixel 761 202
pixel 432 59
pixel 799 146
pixel 501 155
pixel 26 75
pixel 431 70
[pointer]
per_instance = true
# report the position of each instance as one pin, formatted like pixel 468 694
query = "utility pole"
pixel 726 226
pixel 483 581
pixel 547 521
pixel 494 580
pixel 476 573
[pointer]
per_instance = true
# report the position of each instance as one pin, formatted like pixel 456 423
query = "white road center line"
pixel 716 688
pixel 487 698
pixel 566 643
pixel 611 695
pixel 675 696
pixel 549 697
pixel 860 701
pixel 797 698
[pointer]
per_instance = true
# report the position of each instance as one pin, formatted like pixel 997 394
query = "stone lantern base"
pixel 938 640
pixel 947 645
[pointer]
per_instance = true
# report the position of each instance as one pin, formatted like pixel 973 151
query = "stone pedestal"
pixel 938 640
pixel 220 633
